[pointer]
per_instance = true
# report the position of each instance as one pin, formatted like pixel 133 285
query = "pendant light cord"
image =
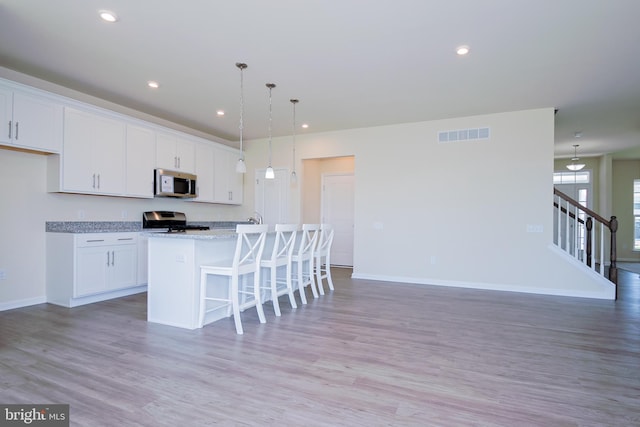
pixel 270 86
pixel 241 110
pixel 294 102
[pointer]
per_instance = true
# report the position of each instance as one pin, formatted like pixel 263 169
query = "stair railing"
pixel 575 234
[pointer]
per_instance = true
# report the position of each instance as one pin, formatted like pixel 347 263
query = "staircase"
pixel 575 233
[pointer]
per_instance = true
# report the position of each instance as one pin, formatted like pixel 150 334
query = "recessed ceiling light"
pixel 462 50
pixel 153 84
pixel 220 113
pixel 108 16
pixel 305 126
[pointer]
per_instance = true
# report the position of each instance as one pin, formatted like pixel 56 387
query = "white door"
pixel 337 210
pixel 577 237
pixel 272 197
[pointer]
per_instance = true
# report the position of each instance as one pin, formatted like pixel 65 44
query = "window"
pixel 571 177
pixel 636 214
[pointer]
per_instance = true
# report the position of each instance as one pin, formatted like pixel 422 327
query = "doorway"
pixel 337 197
pixel 576 185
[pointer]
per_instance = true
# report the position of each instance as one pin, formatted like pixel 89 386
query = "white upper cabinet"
pixel 97 151
pixel 227 182
pixel 140 161
pixel 30 120
pixel 93 158
pixel 204 172
pixel 175 153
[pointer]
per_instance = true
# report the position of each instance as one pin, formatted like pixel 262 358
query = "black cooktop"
pixel 183 228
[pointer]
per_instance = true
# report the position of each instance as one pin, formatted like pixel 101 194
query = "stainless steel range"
pixel 168 222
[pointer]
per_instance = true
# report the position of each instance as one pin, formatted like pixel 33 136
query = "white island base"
pixel 173 293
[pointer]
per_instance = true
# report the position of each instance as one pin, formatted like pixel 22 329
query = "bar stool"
pixel 280 257
pixel 302 259
pixel 246 260
pixel 323 253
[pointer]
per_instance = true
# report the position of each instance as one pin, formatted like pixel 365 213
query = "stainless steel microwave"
pixel 168 183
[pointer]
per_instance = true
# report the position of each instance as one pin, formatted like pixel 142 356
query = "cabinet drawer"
pixel 103 239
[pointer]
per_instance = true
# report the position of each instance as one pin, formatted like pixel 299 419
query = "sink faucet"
pixel 256 219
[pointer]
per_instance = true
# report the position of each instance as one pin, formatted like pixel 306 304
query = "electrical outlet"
pixel 3 274
pixel 81 214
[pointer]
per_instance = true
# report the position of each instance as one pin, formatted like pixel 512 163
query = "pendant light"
pixel 241 167
pixel 270 174
pixel 294 177
pixel 574 166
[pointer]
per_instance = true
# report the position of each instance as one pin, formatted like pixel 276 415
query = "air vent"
pixel 473 134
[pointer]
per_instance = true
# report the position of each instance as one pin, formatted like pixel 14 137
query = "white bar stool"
pixel 302 259
pixel 322 254
pixel 280 257
pixel 246 260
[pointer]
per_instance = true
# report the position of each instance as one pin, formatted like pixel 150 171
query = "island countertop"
pixel 213 234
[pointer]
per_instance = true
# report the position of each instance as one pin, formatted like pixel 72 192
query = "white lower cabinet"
pixel 89 267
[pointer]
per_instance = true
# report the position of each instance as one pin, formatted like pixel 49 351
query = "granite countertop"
pixel 197 234
pixel 127 226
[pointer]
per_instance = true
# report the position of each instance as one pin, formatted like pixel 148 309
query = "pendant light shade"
pixel 574 165
pixel 241 167
pixel 270 173
pixel 294 176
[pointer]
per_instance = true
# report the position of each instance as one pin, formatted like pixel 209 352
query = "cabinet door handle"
pixel 17 129
pixel 98 180
pixel 108 260
pixel 113 258
pixel 175 161
pixel 125 238
pixel 95 240
pixel 178 162
pixel 94 180
pixel 230 195
pixel 10 126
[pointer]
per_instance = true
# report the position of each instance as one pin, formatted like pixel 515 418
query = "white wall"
pixel 451 214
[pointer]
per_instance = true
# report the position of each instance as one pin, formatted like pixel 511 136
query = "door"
pixel 337 210
pixel 272 197
pixel 573 239
pixel 123 271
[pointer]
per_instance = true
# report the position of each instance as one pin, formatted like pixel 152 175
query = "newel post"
pixel 589 237
pixel 613 269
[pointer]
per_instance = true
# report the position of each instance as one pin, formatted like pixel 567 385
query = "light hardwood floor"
pixel 368 354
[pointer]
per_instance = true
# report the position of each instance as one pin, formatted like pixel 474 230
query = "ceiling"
pixel 352 63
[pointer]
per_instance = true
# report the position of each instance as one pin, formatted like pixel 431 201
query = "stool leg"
pixel 318 270
pixel 312 281
pixel 328 273
pixel 292 298
pixel 299 268
pixel 256 293
pixel 235 304
pixel 274 291
pixel 203 295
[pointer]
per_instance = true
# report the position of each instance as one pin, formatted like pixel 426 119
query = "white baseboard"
pixel 11 305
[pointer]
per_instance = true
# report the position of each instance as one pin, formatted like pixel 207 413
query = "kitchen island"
pixel 174 259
